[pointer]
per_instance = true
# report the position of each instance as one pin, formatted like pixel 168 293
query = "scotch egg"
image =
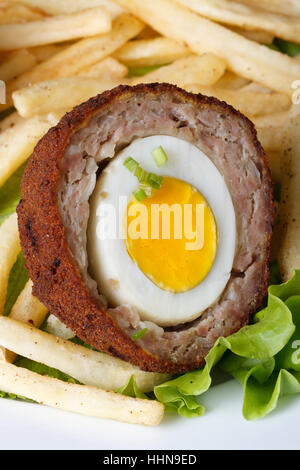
pixel 153 295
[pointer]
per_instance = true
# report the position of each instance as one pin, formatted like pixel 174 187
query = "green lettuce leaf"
pixel 131 389
pixel 262 384
pixel 12 396
pixel 140 71
pixel 251 349
pixel 10 194
pixel 16 282
pixel 290 48
pixel 42 369
pixel 265 382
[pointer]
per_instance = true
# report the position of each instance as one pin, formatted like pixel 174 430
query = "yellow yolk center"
pixel 172 236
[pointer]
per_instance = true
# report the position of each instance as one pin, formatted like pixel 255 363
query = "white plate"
pixel 29 426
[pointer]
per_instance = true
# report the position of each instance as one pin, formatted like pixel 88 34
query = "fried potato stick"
pixel 43 53
pixel 271 130
pixel 288 7
pixel 87 366
pixel 18 142
pixel 90 401
pixel 19 12
pixel 17 62
pixel 9 250
pixel 289 210
pixel 60 7
pixel 55 29
pixel 244 57
pixel 84 53
pixel 60 94
pixel 246 17
pixel 148 52
pixel 106 69
pixel 27 309
pixel 205 70
pixel 248 102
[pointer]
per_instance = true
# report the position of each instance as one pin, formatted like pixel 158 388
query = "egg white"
pixel 118 276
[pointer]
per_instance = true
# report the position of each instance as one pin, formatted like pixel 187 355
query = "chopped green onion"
pixel 147 188
pixel 131 164
pixel 139 334
pixel 141 175
pixel 139 194
pixel 160 156
pixel 155 180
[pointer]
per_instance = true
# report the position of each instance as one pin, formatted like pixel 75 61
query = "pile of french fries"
pixel 56 54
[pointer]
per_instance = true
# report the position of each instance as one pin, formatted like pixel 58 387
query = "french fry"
pixel 244 57
pixel 43 53
pixel 147 52
pixel 277 80
pixel 55 29
pixel 90 401
pixel 10 121
pixel 87 366
pixel 60 7
pixel 263 37
pixel 289 210
pixel 147 33
pixel 27 309
pixel 271 138
pixel 9 249
pixel 81 54
pixel 254 87
pixel 246 17
pixel 57 328
pixel 276 120
pixel 59 95
pixel 231 81
pixel 18 142
pixel 15 12
pixel 248 102
pixel 16 63
pixel 271 130
pixel 288 7
pixel 205 70
pixel 106 69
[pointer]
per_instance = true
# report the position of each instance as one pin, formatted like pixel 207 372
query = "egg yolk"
pixel 172 236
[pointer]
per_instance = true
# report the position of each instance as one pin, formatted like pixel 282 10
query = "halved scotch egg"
pixel 159 300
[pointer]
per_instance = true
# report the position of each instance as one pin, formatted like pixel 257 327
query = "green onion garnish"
pixel 139 334
pixel 160 156
pixel 131 164
pixel 141 174
pixel 139 194
pixel 147 180
pixel 155 181
pixel 147 188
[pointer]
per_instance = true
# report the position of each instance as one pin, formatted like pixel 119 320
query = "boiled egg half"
pixel 169 254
